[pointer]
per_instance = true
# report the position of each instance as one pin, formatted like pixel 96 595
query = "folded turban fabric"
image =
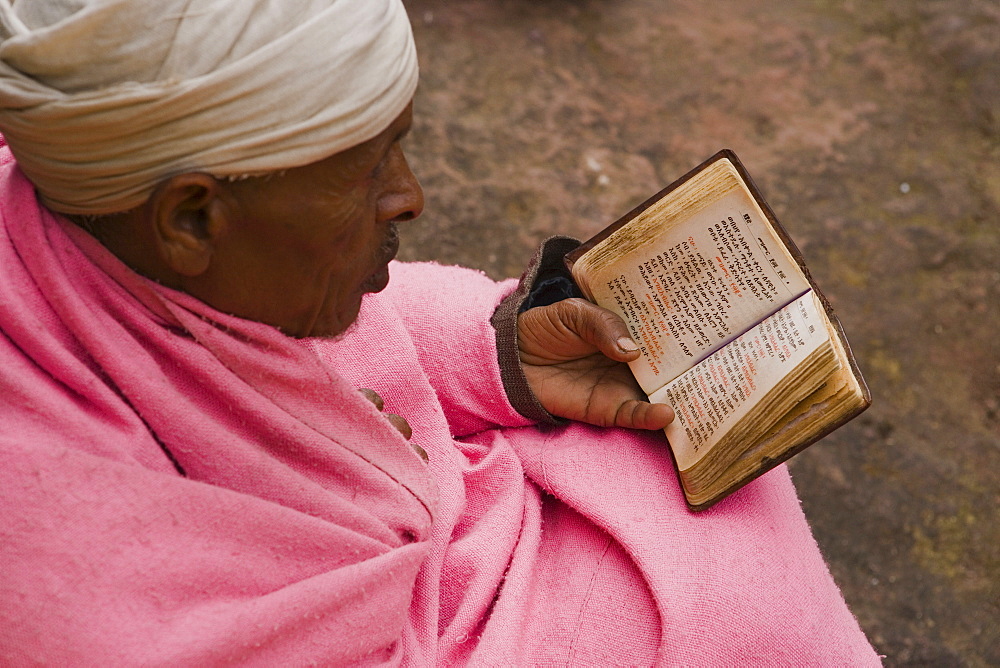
pixel 101 99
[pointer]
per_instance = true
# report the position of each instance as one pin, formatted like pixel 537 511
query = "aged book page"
pixel 711 399
pixel 696 284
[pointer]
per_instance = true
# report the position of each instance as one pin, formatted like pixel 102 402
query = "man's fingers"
pixel 401 425
pixel 372 396
pixel 572 328
pixel 397 421
pixel 603 329
pixel 643 415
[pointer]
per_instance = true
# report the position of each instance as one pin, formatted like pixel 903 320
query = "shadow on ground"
pixel 872 129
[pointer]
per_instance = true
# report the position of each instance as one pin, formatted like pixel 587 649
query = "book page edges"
pixel 856 401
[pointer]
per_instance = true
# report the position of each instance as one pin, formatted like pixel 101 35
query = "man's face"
pixel 309 243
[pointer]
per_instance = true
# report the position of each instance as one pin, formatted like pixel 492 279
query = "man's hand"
pixel 573 354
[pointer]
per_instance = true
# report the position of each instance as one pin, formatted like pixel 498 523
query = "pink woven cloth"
pixel 187 488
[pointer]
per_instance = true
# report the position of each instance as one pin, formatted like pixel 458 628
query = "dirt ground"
pixel 872 128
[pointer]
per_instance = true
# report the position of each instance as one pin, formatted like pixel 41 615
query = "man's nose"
pixel 403 198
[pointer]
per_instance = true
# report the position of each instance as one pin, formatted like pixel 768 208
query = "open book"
pixel 734 334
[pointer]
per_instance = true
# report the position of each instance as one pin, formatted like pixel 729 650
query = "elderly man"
pixel 197 208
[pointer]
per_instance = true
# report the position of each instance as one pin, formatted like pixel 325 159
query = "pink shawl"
pixel 305 530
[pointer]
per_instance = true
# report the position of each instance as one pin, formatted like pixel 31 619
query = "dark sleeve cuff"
pixel 546 281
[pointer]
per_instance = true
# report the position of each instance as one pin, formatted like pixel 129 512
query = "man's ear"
pixel 189 215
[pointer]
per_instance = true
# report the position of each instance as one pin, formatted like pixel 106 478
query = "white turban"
pixel 101 99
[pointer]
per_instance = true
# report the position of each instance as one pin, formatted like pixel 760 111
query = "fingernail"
pixel 627 345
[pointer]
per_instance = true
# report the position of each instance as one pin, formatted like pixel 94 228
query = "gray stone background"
pixel 872 129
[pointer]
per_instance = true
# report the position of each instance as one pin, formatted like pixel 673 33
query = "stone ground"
pixel 873 128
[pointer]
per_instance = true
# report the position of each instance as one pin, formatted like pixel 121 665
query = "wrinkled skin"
pixel 296 249
pixel 573 354
pixel 299 250
pixel 314 240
